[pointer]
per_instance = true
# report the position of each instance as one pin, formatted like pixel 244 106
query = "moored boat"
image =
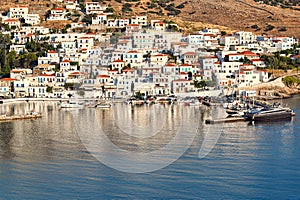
pixel 103 105
pixel 269 114
pixel 71 104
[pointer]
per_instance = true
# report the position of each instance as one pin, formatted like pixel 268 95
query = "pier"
pixel 225 120
pixel 19 117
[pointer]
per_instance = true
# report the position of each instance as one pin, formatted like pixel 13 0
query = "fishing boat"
pixel 269 114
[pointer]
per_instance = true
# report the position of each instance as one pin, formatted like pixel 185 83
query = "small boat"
pixel 71 104
pixel 269 114
pixel 103 105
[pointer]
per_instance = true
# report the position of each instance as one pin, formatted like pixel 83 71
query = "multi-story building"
pixel 18 12
pixel 139 19
pixel 57 14
pixel 94 8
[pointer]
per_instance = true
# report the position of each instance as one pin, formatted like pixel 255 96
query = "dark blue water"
pixel 45 159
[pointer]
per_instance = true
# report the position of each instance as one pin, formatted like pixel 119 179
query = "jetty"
pixel 20 117
pixel 225 120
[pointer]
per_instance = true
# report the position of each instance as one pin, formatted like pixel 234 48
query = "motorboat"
pixel 269 114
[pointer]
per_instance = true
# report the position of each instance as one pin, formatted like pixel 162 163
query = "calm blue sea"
pixel 45 159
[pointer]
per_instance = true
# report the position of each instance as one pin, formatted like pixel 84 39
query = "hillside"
pixel 247 15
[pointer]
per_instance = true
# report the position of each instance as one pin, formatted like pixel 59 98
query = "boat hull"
pixel 275 116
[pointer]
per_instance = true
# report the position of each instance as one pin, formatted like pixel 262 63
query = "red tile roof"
pixel 103 76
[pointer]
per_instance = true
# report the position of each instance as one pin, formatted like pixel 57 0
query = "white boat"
pixel 103 105
pixel 71 104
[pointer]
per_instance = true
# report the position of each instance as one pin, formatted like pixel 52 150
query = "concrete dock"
pixel 19 117
pixel 225 120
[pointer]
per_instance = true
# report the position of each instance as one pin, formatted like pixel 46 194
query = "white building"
pixel 32 19
pixel 18 12
pixel 99 19
pixel 133 58
pixel 57 14
pixel 139 19
pixel 245 37
pixel 94 7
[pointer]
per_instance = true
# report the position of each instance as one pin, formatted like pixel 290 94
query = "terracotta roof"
pixel 256 60
pixel 118 61
pixel 128 69
pixel 11 20
pixel 58 9
pixel 103 76
pixel 132 51
pixel 7 79
pixel 52 51
pixel 133 25
pixel 170 65
pixel 190 53
pixel 160 55
pixel 185 65
pixel 66 61
pixel 181 80
pixel 76 73
pixel 47 75
pixel 249 53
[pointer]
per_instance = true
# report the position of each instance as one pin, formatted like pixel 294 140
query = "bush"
pixel 269 28
pixel 282 28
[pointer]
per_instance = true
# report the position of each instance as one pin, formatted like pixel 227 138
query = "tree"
pixel 4 49
pixel 223 33
pixel 81 93
pixel 49 89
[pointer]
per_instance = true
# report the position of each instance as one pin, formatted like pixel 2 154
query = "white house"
pixel 99 19
pixel 94 7
pixel 51 57
pixel 18 12
pixel 139 19
pixel 133 58
pixel 133 28
pixel 118 64
pixel 57 14
pixel 32 19
pixel 85 42
pixel 71 4
pixel 245 37
pixel 159 59
pixel 12 23
pixel 18 48
pixel 182 86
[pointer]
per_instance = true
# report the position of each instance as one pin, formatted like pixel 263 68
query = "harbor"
pixel 47 154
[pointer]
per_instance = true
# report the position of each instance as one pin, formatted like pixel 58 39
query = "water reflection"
pixel 46 158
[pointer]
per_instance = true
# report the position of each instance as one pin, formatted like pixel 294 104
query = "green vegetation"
pixel 282 3
pixel 282 28
pixel 49 89
pixel 291 81
pixel 269 28
pixel 126 8
pixel 27 59
pixel 281 60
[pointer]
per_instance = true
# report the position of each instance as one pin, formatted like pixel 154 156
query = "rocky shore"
pixel 274 89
